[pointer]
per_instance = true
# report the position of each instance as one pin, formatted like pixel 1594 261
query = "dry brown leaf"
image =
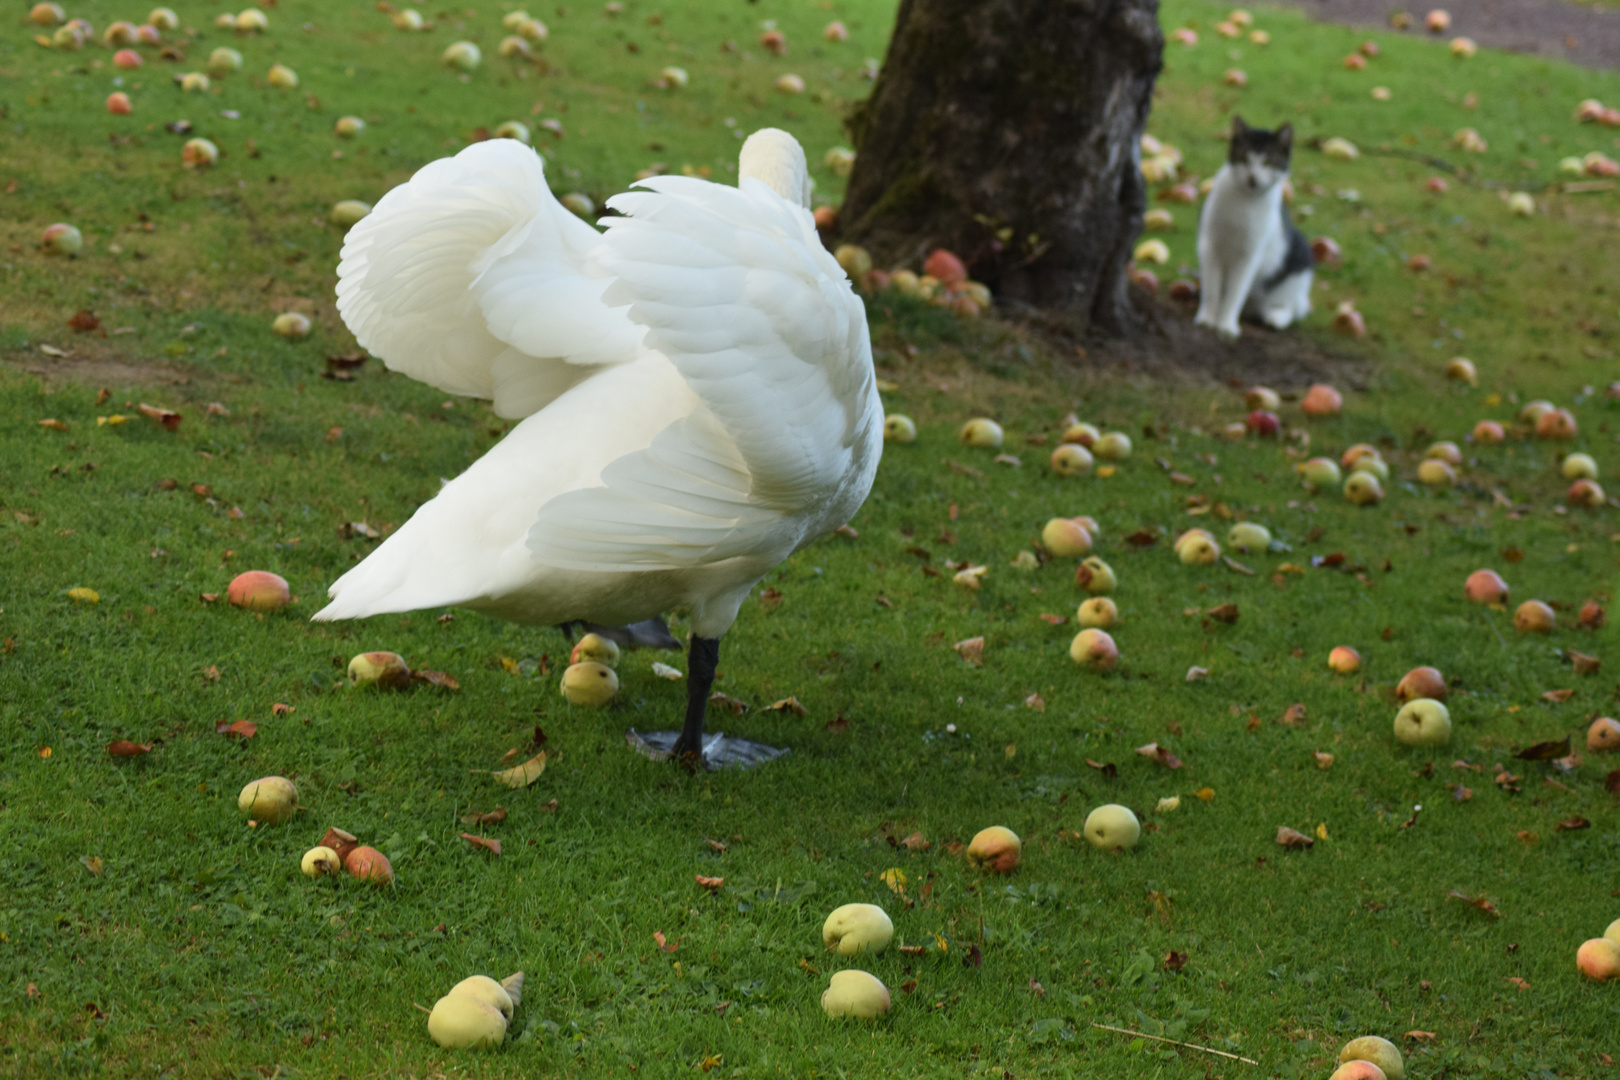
pixel 916 842
pixel 1583 664
pixel 1035 986
pixel 92 863
pixel 282 709
pixel 1545 751
pixel 1571 824
pixel 1516 981
pixel 53 423
pixel 1477 901
pixel 848 532
pixel 1557 697
pixel 1421 1036
pixel 710 883
pixel 971 650
pixel 167 417
pixel 1292 838
pixel 125 748
pixel 489 817
pixel 770 599
pixel 1160 754
pixel 658 936
pixel 1175 961
pixel 1052 620
pixel 244 729
pixel 728 703
pixel 1226 613
pixel 549 806
pixel 437 678
pixel 1462 793
pixel 1035 702
pixel 1323 760
pixel 788 704
pixel 1294 714
pixel 491 846
pixel 522 775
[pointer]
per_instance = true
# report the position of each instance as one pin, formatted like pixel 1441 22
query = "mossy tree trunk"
pixel 1009 132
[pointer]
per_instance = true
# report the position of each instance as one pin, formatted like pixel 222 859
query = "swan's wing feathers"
pixel 428 278
pixel 683 502
pixel 735 288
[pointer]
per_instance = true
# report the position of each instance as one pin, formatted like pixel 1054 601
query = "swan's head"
pixel 776 159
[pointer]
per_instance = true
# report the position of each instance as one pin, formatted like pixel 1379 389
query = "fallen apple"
pixel 857 928
pixel 339 840
pixel 1489 432
pixel 119 34
pixel 1423 722
pixel 1114 446
pixel 1263 422
pixel 1603 736
pixel 1422 682
pixel 163 18
pixel 282 77
pixel 464 1022
pixel 1152 251
pixel 408 19
pixel 996 849
pixel 1158 220
pixel 673 78
pixel 589 684
pixel 61 239
pixel 348 212
pixel 1360 450
pixel 1344 660
pixel 319 861
pixel 514 46
pixel 1371 463
pixel 1247 536
pixel 1461 369
pixel 464 56
pixel 897 427
pixel 1065 538
pixel 595 648
pixel 259 590
pixel 1112 827
pixel 1236 78
pixel 945 266
pixel 1262 397
pixel 291 324
pixel 488 991
pixel 1437 21
pixel 981 431
pixel 1325 249
pixel 1319 473
pixel 369 864
pixel 1081 433
pixel 1585 493
pixel 223 61
pixel 384 670
pixel 127 59
pixel 271 800
pixel 1199 550
pixel 53 15
pixel 1558 424
pixel 835 32
pixel 1357 1070
pixel 1486 587
pixel 513 19
pixel 855 993
pixel 1532 412
pixel 1094 575
pixel 1340 149
pixel 118 103
pixel 1613 932
pixel 1534 617
pixel 1381 1052
pixel 1071 459
pixel 1099 612
pixel 1579 467
pixel 532 30
pixel 198 154
pixel 347 127
pixel 1363 488
pixel 251 21
pixel 1598 959
pixel 1094 650
pixel 68 38
pixel 1355 62
pixel 1449 452
pixel 1522 204
pixel 1463 48
pixel 516 130
pixel 789 84
pixel 193 82
pixel 1436 473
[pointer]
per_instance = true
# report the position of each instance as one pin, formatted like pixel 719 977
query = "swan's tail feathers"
pixel 415 272
pixel 394 578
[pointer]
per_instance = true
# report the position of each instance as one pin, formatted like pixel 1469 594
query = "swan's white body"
pixel 695 384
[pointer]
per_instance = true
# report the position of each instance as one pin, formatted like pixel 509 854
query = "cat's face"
pixel 1259 159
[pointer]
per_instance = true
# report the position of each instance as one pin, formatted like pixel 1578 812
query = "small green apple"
pixel 1112 827
pixel 271 800
pixel 900 428
pixel 1423 722
pixel 1381 1052
pixel 1247 536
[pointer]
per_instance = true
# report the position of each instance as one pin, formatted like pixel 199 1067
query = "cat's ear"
pixel 1239 128
pixel 1285 137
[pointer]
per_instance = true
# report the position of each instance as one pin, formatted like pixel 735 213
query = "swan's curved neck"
pixel 775 159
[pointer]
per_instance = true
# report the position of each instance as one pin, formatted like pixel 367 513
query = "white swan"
pixel 695 386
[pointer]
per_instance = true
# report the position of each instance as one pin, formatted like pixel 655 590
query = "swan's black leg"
pixel 701 660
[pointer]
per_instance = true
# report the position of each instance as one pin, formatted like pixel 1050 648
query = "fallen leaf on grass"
pixel 895 879
pixel 1235 566
pixel 84 320
pixel 1516 981
pixel 208 597
pixel 848 532
pixel 974 957
pixel 788 704
pixel 52 423
pixel 92 863
pixel 1323 760
pixel 1035 702
pixel 658 936
pixel 244 729
pixel 1421 1036
pixel 82 595
pixel 1571 824
pixel 1107 768
pixel 971 650
pixel 437 678
pixel 911 950
pixel 1462 793
pixel 125 748
pixel 351 529
pixel 1052 620
pixel 1545 751
pixel 729 703
pixel 1197 674
pixel 1036 988
pixel 1205 793
pixel 1226 613
pixel 664 671
pixel 1175 961
pixel 211 673
pixel 1160 754
pixel 491 846
pixel 710 883
pixel 522 775
pixel 1506 780
pixel 282 709
pixel 167 417
pixel 1557 697
pixel 916 842
pixel 1477 901
pixel 489 817
pixel 1294 714
pixel 549 806
pixel 1292 838
pixel 1583 664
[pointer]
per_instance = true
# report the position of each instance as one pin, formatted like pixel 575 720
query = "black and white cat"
pixel 1252 259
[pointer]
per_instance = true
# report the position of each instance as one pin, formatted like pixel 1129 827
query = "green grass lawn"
pixel 146 930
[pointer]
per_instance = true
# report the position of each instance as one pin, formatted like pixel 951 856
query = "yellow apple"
pixel 855 993
pixel 981 431
pixel 1071 459
pixel 857 928
pixel 597 648
pixel 1423 722
pixel 271 800
pixel 1112 827
pixel 898 427
pixel 1099 612
pixel 1599 959
pixel 1094 650
pixel 385 670
pixel 1065 538
pixel 488 991
pixel 1249 536
pixel 997 849
pixel 589 684
pixel 463 1022
pixel 319 861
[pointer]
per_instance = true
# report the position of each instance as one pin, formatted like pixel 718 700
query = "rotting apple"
pixel 1449 452
pixel 1489 432
pixel 1199 550
pixel 1095 576
pixel 1603 736
pixel 1263 422
pixel 1363 488
pixel 384 670
pixel 1556 424
pixel 1082 433
pixel 1585 493
pixel 293 325
pixel 1461 369
pixel 61 239
pixel 320 861
pixel 996 849
pixel 1262 397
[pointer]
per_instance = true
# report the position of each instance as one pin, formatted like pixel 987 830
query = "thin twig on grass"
pixel 1175 1042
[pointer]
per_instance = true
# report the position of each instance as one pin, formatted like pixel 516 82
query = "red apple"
pixel 1422 682
pixel 118 103
pixel 259 590
pixel 1534 617
pixel 1585 493
pixel 1436 184
pixel 1489 432
pixel 1344 660
pixel 1263 422
pixel 1556 424
pixel 1326 250
pixel 369 864
pixel 996 849
pixel 945 266
pixel 1592 615
pixel 127 59
pixel 1322 400
pixel 1599 959
pixel 773 42
pixel 1486 587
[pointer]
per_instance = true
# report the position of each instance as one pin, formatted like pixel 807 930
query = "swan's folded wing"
pixel 683 502
pixel 431 281
pixel 735 288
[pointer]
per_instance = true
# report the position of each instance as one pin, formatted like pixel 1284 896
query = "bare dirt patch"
pixel 95 363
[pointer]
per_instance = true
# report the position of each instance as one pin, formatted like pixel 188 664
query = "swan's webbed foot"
pixel 692 746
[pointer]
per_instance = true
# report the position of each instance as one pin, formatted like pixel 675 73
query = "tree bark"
pixel 1008 131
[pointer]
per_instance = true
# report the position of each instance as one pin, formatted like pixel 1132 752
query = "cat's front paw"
pixel 1205 319
pixel 1229 332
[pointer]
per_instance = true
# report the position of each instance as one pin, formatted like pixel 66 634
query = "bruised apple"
pixel 259 590
pixel 858 928
pixel 320 861
pixel 1363 489
pixel 385 670
pixel 1094 649
pixel 996 849
pixel 1095 576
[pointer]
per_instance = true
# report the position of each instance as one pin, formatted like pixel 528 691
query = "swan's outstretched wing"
pixel 472 278
pixel 735 288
